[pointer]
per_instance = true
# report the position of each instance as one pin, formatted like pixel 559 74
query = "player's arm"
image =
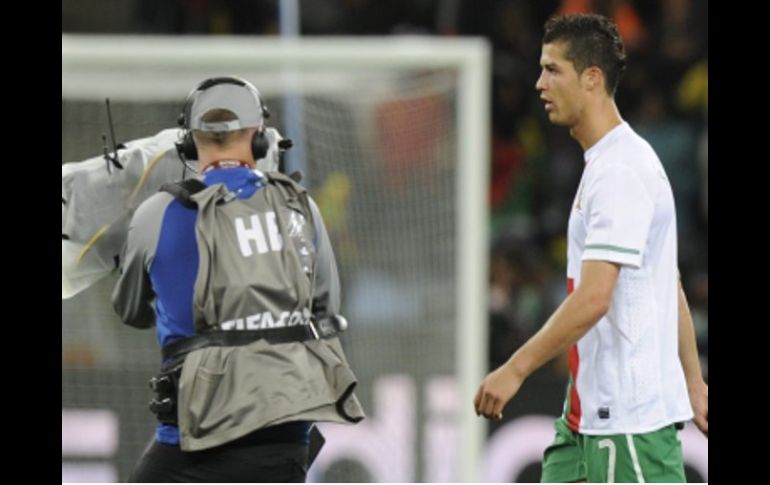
pixel 688 355
pixel 582 309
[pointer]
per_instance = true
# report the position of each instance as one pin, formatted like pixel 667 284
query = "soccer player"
pixel 634 369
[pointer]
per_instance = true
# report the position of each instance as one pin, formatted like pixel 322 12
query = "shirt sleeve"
pixel 133 296
pixel 326 296
pixel 619 213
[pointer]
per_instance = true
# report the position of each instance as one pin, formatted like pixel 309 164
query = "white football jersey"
pixel 626 376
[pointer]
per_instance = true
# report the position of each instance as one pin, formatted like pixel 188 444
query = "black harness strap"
pixel 184 190
pixel 325 328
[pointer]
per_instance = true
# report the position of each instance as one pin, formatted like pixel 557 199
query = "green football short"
pixel 648 457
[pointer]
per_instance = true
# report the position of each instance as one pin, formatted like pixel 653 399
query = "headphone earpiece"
pixel 187 147
pixel 259 145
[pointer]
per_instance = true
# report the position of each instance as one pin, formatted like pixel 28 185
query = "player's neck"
pixel 597 122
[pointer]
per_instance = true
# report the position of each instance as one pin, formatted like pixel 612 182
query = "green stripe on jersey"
pixel 610 247
pixel 568 398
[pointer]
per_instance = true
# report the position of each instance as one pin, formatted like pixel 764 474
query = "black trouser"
pixel 237 461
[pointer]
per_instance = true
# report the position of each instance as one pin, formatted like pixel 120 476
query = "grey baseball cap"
pixel 242 101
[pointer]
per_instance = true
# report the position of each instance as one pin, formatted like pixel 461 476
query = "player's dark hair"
pixel 591 40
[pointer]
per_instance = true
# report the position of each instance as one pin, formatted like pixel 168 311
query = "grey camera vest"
pixel 256 270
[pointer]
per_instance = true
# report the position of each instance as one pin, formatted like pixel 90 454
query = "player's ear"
pixel 592 78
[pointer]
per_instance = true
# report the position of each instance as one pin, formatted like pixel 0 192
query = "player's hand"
pixel 496 390
pixel 699 398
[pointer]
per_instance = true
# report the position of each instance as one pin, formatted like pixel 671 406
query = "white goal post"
pixel 138 68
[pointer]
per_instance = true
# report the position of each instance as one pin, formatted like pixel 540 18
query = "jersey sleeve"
pixel 619 212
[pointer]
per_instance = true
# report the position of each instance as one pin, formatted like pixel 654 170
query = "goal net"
pixel 392 137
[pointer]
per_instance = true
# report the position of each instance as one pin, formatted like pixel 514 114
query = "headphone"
pixel 186 147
